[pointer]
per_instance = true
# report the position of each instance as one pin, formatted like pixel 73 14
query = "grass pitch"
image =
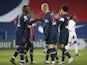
pixel 39 56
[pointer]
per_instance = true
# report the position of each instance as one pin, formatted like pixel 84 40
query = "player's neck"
pixel 26 13
pixel 46 11
pixel 65 13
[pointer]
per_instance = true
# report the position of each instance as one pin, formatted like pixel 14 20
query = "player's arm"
pixel 31 26
pixel 16 20
pixel 58 22
pixel 33 23
pixel 35 20
pixel 28 22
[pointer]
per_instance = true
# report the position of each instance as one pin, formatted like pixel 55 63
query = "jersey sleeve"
pixel 26 20
pixel 62 19
pixel 17 21
pixel 33 21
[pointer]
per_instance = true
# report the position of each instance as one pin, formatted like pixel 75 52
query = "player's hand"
pixel 34 24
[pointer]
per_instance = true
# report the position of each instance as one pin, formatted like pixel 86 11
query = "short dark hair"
pixel 23 9
pixel 65 8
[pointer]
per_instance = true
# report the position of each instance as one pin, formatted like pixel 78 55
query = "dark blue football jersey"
pixel 22 21
pixel 21 24
pixel 48 23
pixel 51 24
pixel 64 33
pixel 51 28
pixel 64 19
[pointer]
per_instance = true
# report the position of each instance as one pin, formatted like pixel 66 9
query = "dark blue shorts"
pixel 63 38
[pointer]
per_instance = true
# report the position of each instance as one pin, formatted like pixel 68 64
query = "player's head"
pixel 25 9
pixel 73 16
pixel 64 8
pixel 44 7
pixel 56 14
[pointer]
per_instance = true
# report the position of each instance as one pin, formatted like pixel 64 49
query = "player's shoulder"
pixel 66 16
pixel 24 17
pixel 72 21
pixel 48 14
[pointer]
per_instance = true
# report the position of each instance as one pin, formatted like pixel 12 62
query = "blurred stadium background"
pixel 9 9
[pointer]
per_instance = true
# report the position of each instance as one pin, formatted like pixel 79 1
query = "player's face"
pixel 27 9
pixel 74 17
pixel 44 8
pixel 56 16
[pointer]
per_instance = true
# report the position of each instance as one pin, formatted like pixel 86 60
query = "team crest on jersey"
pixel 25 18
